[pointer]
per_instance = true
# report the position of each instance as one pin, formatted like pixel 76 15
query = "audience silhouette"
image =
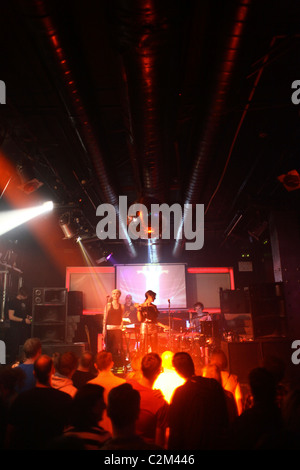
pixel 124 410
pixel 65 366
pixel 39 414
pixel 59 403
pixel 263 418
pixel 168 380
pixel 230 381
pixel 198 412
pixel 107 379
pixel 85 371
pixel 213 372
pixel 152 423
pixel 32 349
pixel 86 413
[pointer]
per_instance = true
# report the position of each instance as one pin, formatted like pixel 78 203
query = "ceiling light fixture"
pixel 29 182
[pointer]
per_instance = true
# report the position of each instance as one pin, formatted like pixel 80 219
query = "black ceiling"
pixel 171 101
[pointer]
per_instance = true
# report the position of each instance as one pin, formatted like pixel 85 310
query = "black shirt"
pixel 198 415
pixel 150 313
pixel 114 316
pixel 130 312
pixel 19 306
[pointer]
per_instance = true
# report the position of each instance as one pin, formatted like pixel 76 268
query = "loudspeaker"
pixel 49 295
pixel 242 357
pixel 75 303
pixel 258 312
pixel 49 310
pixel 269 326
pixel 268 310
pixel 234 301
pixel 267 299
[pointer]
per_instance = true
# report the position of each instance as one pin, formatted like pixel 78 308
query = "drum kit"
pixel 199 339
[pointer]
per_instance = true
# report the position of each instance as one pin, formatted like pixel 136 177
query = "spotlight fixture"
pixel 65 225
pixel 106 256
pixel 29 182
pixel 73 224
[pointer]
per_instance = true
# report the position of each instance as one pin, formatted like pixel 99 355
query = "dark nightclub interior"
pixel 190 105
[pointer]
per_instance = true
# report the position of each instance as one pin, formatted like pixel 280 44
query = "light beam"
pixel 14 218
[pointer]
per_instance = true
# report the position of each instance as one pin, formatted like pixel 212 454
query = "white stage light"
pixel 14 218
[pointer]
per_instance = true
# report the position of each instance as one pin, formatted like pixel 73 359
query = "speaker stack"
pixel 49 314
pixel 255 324
pixel 56 314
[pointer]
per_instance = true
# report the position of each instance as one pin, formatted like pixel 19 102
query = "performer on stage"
pixel 147 314
pixel 20 321
pixel 130 311
pixel 112 326
pixel 131 325
pixel 198 316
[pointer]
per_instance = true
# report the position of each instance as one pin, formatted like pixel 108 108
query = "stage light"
pixel 64 223
pixel 29 182
pixel 48 206
pixel 73 224
pixel 105 257
pixel 12 219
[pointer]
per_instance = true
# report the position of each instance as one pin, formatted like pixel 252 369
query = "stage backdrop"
pixel 204 286
pixel 175 285
pixel 94 282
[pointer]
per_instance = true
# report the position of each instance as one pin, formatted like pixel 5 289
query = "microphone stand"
pixel 169 319
pixel 170 342
pixel 104 329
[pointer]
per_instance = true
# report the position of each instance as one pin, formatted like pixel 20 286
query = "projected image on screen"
pixel 167 280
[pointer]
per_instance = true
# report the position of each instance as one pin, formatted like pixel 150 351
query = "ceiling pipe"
pixel 79 117
pixel 143 32
pixel 217 107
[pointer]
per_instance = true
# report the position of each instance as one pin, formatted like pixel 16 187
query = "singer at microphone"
pixel 113 324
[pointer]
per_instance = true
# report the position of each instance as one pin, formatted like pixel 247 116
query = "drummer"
pixel 199 315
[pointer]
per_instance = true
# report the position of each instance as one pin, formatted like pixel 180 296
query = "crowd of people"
pixel 70 402
pixel 165 401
